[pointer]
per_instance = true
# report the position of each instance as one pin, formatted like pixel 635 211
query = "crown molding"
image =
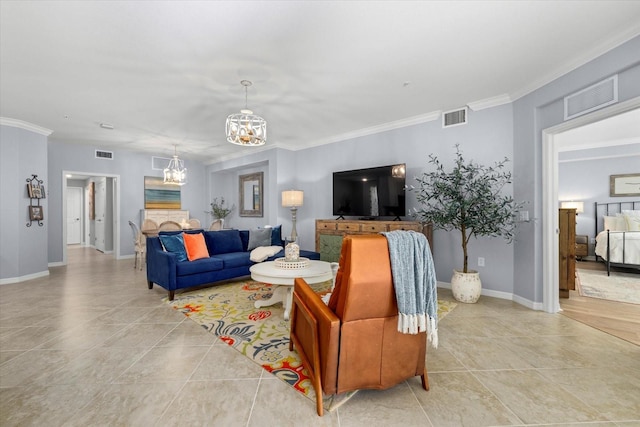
pixel 494 101
pixel 5 121
pixel 589 56
pixel 409 121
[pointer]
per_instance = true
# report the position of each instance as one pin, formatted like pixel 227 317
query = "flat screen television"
pixel 370 193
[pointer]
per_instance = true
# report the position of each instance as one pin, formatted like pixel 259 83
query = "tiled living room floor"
pixel 91 345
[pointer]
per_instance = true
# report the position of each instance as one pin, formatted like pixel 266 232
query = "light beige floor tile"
pixel 29 337
pixel 614 392
pixel 162 315
pixel 534 399
pixel 128 405
pixel 441 359
pixel 139 335
pixel 187 333
pixel 546 352
pixel 486 353
pixel 223 362
pixel 165 364
pixel 277 404
pixel 397 406
pixel 224 403
pixel 459 399
pixel 123 315
pixel 82 336
pixel 27 367
pixel 96 366
pixel 53 405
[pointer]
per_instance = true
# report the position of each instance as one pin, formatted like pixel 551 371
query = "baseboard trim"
pixel 503 295
pixel 24 278
pixel 56 264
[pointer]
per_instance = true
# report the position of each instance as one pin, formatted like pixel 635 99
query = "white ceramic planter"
pixel 466 287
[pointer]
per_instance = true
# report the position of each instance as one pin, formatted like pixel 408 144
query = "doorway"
pixel 551 146
pixel 110 240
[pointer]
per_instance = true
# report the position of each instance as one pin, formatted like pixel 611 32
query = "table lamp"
pixel 292 199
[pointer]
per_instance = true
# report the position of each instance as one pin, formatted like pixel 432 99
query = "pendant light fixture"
pixel 245 128
pixel 175 173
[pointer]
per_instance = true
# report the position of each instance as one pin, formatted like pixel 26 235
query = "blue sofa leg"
pixel 172 294
pixel 150 284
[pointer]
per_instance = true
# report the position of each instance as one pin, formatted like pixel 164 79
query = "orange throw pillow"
pixel 195 246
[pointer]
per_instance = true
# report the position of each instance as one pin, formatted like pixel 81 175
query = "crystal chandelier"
pixel 175 173
pixel 245 128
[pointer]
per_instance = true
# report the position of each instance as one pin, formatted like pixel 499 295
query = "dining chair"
pixel 139 244
pixel 149 224
pixel 169 226
pixel 194 223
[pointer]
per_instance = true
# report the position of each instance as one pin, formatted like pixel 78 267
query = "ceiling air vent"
pixel 591 98
pixel 104 154
pixel 454 118
pixel 159 163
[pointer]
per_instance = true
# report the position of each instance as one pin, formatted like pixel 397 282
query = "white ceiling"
pixel 165 73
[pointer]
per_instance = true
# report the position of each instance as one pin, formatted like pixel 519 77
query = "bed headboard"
pixel 610 209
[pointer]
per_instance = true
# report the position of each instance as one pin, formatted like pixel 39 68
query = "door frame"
pixel 550 205
pixel 115 208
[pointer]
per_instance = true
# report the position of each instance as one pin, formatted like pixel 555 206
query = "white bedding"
pixel 631 249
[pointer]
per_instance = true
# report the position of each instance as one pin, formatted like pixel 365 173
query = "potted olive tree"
pixel 468 198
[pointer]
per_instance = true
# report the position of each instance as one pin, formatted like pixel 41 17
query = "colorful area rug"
pixel 622 287
pixel 261 334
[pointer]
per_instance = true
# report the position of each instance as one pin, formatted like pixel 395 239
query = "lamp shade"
pixel 292 198
pixel 578 206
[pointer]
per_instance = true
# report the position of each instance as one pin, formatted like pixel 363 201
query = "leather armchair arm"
pixel 315 332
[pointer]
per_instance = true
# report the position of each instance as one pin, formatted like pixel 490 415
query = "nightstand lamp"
pixel 578 206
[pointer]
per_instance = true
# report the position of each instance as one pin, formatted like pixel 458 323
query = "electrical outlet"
pixel 480 261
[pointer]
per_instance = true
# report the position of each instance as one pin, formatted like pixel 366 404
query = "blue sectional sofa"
pixel 228 258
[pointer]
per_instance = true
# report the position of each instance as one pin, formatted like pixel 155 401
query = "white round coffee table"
pixel 267 272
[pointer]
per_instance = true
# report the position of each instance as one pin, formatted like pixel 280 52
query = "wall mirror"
pixel 251 194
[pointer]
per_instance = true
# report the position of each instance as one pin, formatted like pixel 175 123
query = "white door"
pixel 74 215
pixel 100 201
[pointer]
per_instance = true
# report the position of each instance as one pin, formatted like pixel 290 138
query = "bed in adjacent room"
pixel 618 234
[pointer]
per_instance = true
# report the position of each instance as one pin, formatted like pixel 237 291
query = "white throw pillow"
pixel 632 219
pixel 615 223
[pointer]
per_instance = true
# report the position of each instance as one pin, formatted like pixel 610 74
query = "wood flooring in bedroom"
pixel 618 319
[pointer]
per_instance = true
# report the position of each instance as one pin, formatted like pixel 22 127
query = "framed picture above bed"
pixel 624 185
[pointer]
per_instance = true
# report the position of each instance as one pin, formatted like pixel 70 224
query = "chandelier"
pixel 175 173
pixel 245 128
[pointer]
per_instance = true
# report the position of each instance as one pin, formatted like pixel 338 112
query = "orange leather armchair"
pixel 353 342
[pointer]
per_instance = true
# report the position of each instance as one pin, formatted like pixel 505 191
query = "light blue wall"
pixel 23 250
pixel 584 176
pixel 131 168
pixel 543 109
pixel 487 138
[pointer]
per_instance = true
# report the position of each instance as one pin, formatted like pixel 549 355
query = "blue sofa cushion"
pixel 223 241
pixel 244 237
pixel 235 259
pixel 276 236
pixel 174 243
pixel 259 237
pixel 202 265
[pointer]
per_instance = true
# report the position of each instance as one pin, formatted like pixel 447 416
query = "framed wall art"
pixel 624 185
pixel 158 195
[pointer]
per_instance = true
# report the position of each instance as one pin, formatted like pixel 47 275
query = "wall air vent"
pixel 159 163
pixel 591 98
pixel 100 154
pixel 454 118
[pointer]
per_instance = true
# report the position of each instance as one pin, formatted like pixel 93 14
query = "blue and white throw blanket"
pixel 414 280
